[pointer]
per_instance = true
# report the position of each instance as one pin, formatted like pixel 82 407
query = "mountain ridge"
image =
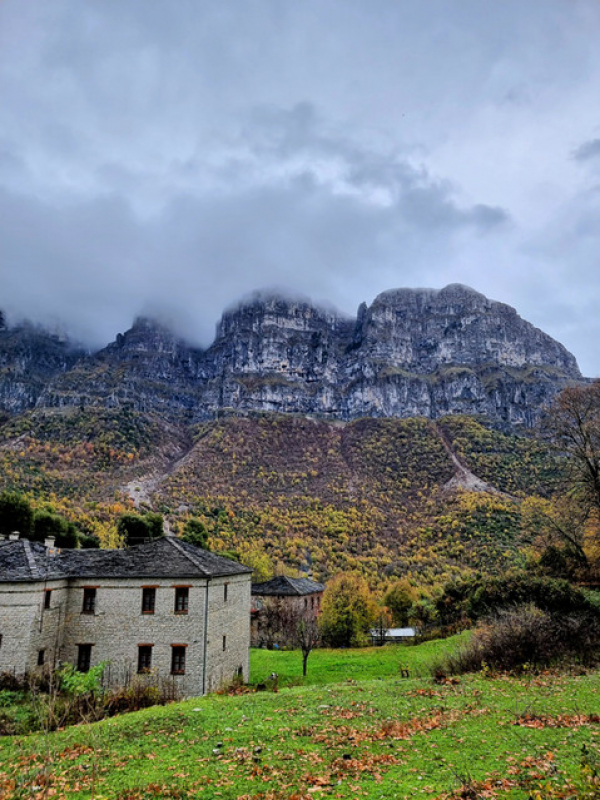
pixel 412 352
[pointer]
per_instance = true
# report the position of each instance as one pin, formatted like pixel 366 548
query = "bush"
pixel 526 636
pixel 478 597
pixel 11 682
pixel 143 691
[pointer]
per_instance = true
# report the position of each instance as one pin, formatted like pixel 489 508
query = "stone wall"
pixel 27 626
pixel 230 619
pixel 118 627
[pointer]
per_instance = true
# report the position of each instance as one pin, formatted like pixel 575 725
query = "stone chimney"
pixel 49 545
pixel 14 536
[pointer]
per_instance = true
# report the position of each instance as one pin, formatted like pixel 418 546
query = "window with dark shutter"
pixel 182 596
pixel 47 596
pixel 178 660
pixel 84 657
pixel 89 601
pixel 148 600
pixel 144 657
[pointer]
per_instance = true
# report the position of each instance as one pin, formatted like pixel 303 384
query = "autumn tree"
pixel 306 635
pixel 399 599
pixel 348 611
pixel 572 424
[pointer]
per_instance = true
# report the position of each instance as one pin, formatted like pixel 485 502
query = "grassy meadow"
pixel 353 729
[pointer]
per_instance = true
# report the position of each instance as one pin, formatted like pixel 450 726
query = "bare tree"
pixel 283 621
pixel 572 423
pixel 306 635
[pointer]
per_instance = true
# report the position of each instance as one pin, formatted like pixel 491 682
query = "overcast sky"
pixel 167 157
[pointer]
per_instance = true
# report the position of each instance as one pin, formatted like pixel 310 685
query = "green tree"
pixel 46 523
pixel 348 610
pixel 15 514
pixel 155 523
pixel 195 532
pixel 399 598
pixel 134 529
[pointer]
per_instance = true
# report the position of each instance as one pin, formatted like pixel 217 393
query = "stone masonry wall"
pixel 118 627
pixel 230 619
pixel 27 627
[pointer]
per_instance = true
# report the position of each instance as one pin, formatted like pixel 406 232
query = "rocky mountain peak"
pixel 146 335
pixel 412 352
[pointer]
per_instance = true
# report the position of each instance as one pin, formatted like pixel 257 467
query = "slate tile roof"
pixel 167 557
pixel 283 586
pixel 23 560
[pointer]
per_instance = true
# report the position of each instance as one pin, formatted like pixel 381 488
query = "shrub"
pixel 478 597
pixel 11 682
pixel 526 636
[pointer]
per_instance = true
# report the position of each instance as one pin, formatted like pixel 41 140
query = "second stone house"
pixel 166 606
pixel 276 601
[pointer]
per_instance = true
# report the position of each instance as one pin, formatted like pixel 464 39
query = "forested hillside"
pixel 372 495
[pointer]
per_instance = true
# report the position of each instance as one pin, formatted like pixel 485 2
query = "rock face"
pixel 413 352
pixel 29 359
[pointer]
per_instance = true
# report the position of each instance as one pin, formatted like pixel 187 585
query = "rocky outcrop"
pixel 413 352
pixel 30 358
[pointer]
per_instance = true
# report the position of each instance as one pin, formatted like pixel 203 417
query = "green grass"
pixel 336 666
pixel 386 737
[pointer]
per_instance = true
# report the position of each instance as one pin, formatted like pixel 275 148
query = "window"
pixel 47 595
pixel 144 657
pixel 84 657
pixel 89 601
pixel 312 602
pixel 225 588
pixel 224 643
pixel 178 659
pixel 182 595
pixel 41 654
pixel 148 600
pixel 305 603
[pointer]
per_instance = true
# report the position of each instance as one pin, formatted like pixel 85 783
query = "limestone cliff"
pixel 413 352
pixel 30 358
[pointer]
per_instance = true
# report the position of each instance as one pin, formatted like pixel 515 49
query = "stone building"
pixel 276 602
pixel 166 606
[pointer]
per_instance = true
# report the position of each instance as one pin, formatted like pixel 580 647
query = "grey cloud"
pixel 587 150
pixel 171 158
